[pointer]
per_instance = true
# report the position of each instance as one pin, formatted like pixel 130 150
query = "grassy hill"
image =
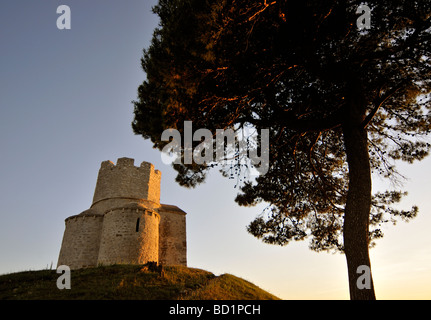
pixel 130 282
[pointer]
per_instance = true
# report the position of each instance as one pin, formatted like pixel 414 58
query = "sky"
pixel 66 106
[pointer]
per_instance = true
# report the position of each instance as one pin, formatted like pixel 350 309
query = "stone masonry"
pixel 126 222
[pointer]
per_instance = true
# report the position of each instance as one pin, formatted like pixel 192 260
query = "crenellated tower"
pixel 124 183
pixel 126 222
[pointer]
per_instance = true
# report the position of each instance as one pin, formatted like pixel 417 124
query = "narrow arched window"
pixel 137 224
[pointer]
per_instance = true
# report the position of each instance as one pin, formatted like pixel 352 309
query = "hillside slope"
pixel 130 282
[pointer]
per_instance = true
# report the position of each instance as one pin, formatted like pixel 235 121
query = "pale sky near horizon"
pixel 65 106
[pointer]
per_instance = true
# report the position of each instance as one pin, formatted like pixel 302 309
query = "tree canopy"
pixel 340 104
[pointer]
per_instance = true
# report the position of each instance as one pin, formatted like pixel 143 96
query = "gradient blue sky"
pixel 65 106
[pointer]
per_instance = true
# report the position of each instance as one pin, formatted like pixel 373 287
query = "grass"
pixel 130 282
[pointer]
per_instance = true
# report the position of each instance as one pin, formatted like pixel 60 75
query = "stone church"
pixel 126 224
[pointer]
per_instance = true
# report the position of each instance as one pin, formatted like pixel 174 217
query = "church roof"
pixel 90 212
pixel 171 208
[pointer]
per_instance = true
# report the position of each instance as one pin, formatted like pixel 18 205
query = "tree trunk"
pixel 358 204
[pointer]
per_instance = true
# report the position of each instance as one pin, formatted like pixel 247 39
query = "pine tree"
pixel 341 103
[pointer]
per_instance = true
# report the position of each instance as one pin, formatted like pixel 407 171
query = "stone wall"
pixel 173 242
pixel 81 240
pixel 125 239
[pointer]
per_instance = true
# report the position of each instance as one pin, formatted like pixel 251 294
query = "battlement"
pixel 128 163
pixel 125 181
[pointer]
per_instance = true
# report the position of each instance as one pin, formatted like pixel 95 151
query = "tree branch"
pixel 266 5
pixel 381 101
